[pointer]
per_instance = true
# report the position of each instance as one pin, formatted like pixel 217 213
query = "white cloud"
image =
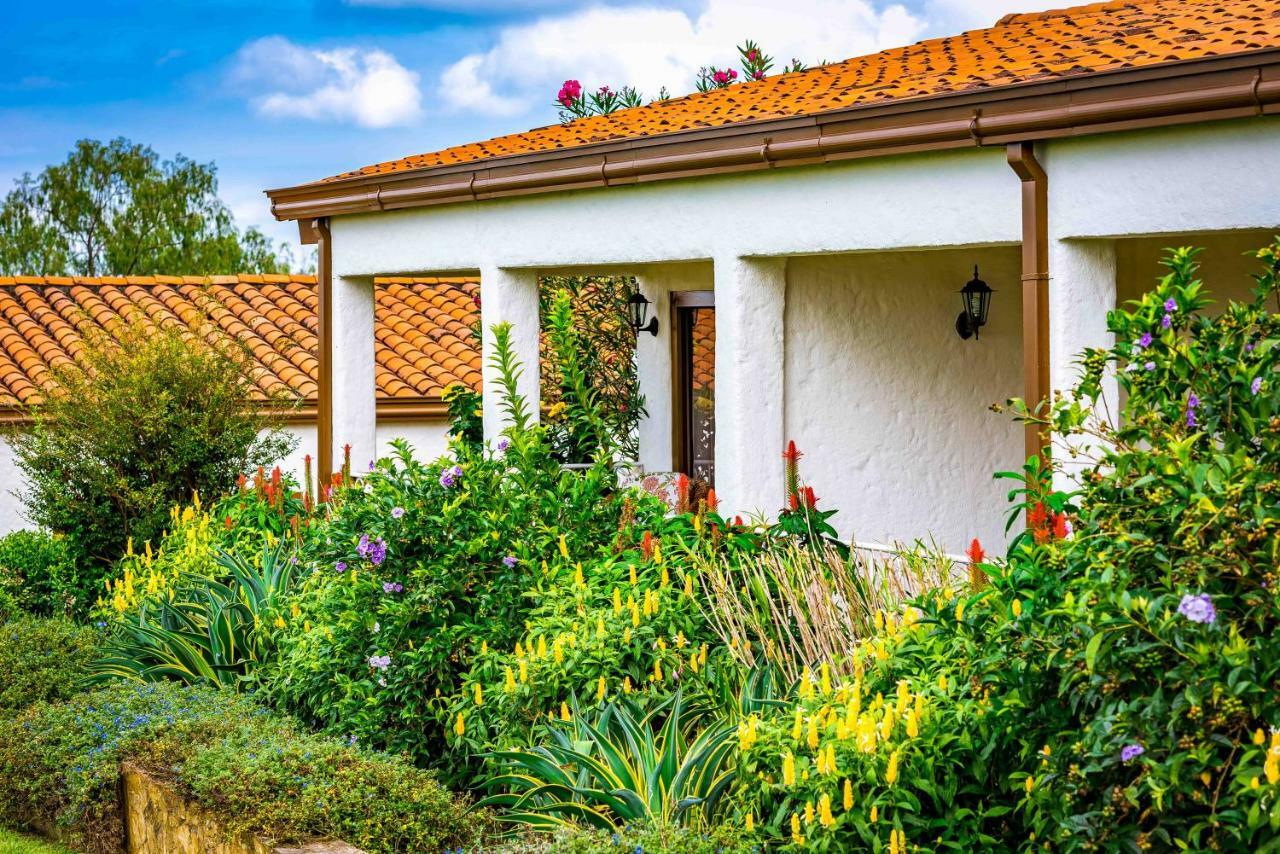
pixel 475 6
pixel 952 16
pixel 649 48
pixel 367 87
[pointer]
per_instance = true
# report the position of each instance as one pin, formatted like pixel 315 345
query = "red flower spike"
pixel 682 493
pixel 227 522
pixel 810 499
pixel 975 552
pixel 712 502
pixel 646 546
pixel 1038 515
pixel 1061 528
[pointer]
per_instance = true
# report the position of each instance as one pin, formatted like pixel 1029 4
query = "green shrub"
pixel 42 660
pixel 148 417
pixel 40 577
pixel 257 772
pixel 653 838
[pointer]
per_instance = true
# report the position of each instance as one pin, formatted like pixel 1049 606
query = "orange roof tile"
pixel 1026 48
pixel 422 326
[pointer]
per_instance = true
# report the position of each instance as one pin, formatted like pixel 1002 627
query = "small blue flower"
pixel 510 561
pixel 1149 366
pixel 1256 385
pixel 503 444
pixel 1198 608
pixel 1145 340
pixel 1171 304
pixel 1166 321
pixel 1131 752
pixel 340 566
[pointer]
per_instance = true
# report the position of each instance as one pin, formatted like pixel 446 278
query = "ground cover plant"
pixel 43 659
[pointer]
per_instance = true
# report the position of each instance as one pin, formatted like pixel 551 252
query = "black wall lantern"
pixel 976 296
pixel 638 309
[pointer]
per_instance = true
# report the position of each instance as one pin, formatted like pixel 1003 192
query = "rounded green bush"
pixel 42 660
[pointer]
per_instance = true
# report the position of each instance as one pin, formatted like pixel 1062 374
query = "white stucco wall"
pixel 890 406
pixel 428 438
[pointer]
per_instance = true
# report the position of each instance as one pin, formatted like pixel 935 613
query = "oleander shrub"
pixel 42 659
pixel 255 771
pixel 39 576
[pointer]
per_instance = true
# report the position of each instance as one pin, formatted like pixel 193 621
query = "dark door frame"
pixel 682 303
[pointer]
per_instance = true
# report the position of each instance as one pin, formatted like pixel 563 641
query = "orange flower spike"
pixel 975 552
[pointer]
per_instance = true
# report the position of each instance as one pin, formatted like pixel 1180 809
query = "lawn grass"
pixel 17 843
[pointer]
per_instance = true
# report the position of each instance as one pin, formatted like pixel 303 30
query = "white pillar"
pixel 509 296
pixel 655 374
pixel 1082 289
pixel 750 303
pixel 355 418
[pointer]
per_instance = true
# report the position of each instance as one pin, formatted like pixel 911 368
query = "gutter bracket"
pixel 1254 91
pixel 975 132
pixel 764 151
pixel 377 198
pixel 604 176
pixel 471 187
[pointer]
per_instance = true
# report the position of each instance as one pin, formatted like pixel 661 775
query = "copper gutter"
pixel 1035 287
pixel 1232 86
pixel 324 349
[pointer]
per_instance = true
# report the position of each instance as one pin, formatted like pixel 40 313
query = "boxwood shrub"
pixel 42 660
pixel 257 772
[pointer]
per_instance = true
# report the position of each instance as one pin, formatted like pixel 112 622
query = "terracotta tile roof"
pixel 424 342
pixel 1026 48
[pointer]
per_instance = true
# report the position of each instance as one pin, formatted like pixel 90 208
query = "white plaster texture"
pixel 889 406
pixel 510 296
pixel 354 389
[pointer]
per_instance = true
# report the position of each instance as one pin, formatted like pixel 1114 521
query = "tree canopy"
pixel 117 209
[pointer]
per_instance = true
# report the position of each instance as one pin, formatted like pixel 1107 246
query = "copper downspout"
pixel 1035 287
pixel 324 356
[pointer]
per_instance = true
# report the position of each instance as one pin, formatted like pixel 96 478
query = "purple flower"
pixel 1192 400
pixel 510 561
pixel 377 552
pixel 1198 608
pixel 1171 304
pixel 362 548
pixel 340 566
pixel 449 477
pixel 1131 752
pixel 397 512
pixel 371 465
pixel 392 587
pixel 380 662
pixel 1150 366
pixel 1256 385
pixel 1191 418
pixel 1145 340
pixel 1248 348
pixel 1166 321
pixel 504 443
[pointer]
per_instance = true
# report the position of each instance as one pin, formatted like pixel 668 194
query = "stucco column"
pixel 355 419
pixel 654 372
pixel 1082 289
pixel 509 296
pixel 750 304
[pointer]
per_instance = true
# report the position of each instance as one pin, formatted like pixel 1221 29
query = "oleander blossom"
pixel 392 587
pixel 569 92
pixel 379 662
pixel 1131 752
pixel 1198 608
pixel 397 512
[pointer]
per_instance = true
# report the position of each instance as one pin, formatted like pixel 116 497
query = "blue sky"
pixel 278 93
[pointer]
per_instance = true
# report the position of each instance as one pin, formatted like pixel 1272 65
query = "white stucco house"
pixel 422 343
pixel 825 220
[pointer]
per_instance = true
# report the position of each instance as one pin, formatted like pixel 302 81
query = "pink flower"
pixel 569 92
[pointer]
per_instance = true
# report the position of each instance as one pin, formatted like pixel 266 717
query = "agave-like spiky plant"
pixel 211 630
pixel 620 763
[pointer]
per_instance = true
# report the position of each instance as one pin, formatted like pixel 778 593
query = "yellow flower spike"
pixel 960 610
pixel 797 838
pixel 524 671
pixel 805 689
pixel 578 577
pixel 657 552
pixel 904 696
pixel 891 772
pixel 601 690
pixel 788 770
pixel 919 707
pixel 564 548
pixel 1017 607
pixel 813 733
pixel 510 684
pixel 542 646
pixel 279 622
pixel 848 795
pixel 820 764
pixel 306 626
pixel 666 577
pixel 459 726
pixel 479 695
pixel 749 824
pixel 702 655
pixel 808 812
pixel 564 712
pixel 1254 783
pixel 626 635
pixel 1030 784
pixel 875 815
pixel 913 728
pixel 688 591
pixel 886 724
pixel 797 730
pixel 634 579
pixel 831 760
pixel 617 601
pixel 879 621
pixel 825 670
pixel 626 685
pixel 825 818
pixel 557 651
pixel 656 676
pixel 693 662
pixel 1272 767
pixel 1259 737
pixel 599 627
pixel 635 611
pixel 519 650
